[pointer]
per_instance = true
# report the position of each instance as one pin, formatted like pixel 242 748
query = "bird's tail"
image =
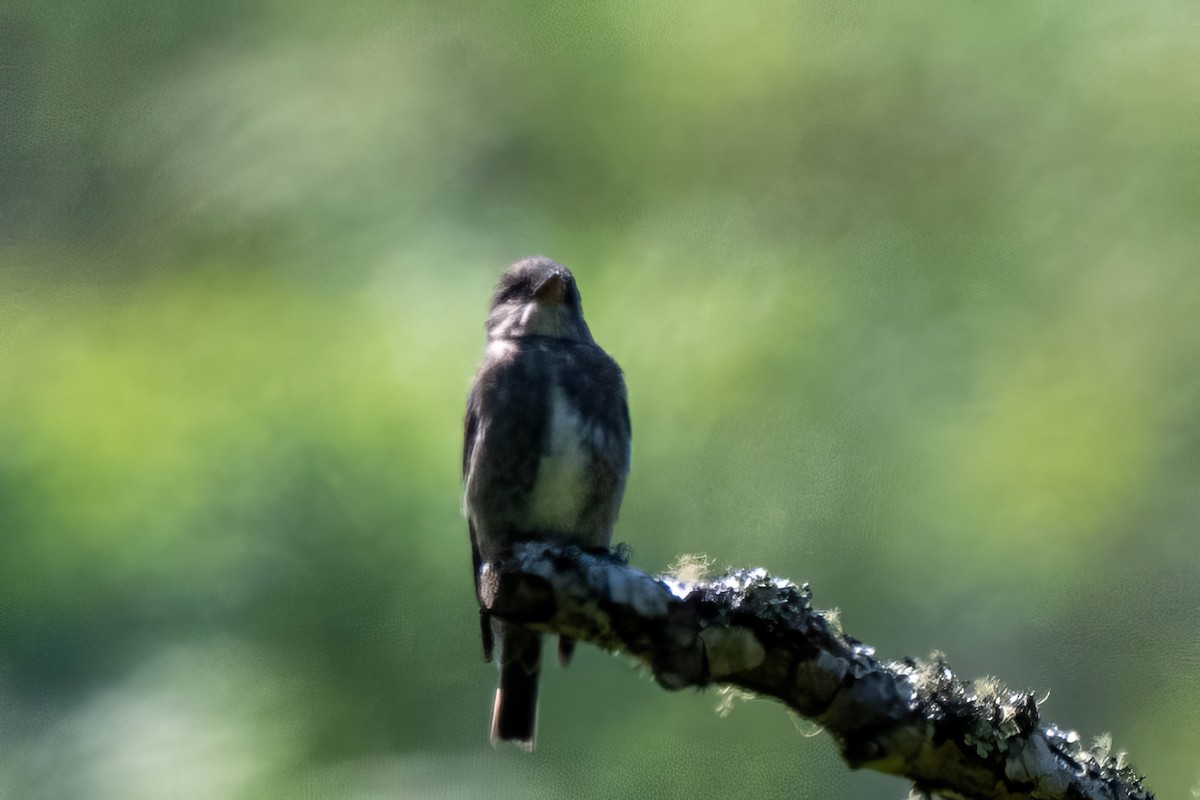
pixel 514 716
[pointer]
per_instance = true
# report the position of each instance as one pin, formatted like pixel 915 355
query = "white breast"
pixel 560 492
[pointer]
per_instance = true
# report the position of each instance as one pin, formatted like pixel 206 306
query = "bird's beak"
pixel 552 290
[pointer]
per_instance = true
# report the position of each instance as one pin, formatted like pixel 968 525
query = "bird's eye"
pixel 509 293
pixel 572 297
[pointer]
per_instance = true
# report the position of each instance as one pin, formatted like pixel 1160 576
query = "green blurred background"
pixel 906 296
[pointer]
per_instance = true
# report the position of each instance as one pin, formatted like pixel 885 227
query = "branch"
pixel 952 738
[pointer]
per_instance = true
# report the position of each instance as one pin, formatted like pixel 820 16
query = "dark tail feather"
pixel 514 716
pixel 485 627
pixel 566 649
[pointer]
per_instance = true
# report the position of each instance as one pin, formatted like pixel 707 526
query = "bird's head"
pixel 537 297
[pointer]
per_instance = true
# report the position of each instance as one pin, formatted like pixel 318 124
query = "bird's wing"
pixel 470 428
pixel 470 432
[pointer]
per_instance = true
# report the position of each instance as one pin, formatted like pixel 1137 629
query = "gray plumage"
pixel 545 453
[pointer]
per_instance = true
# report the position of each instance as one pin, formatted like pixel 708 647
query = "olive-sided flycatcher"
pixel 545 454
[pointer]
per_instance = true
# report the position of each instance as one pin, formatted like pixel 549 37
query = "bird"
pixel 546 453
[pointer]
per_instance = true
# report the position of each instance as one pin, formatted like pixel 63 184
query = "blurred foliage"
pixel 906 295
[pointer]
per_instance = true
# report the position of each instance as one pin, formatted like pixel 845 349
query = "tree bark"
pixel 952 738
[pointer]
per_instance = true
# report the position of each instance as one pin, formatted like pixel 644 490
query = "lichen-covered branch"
pixel 952 738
